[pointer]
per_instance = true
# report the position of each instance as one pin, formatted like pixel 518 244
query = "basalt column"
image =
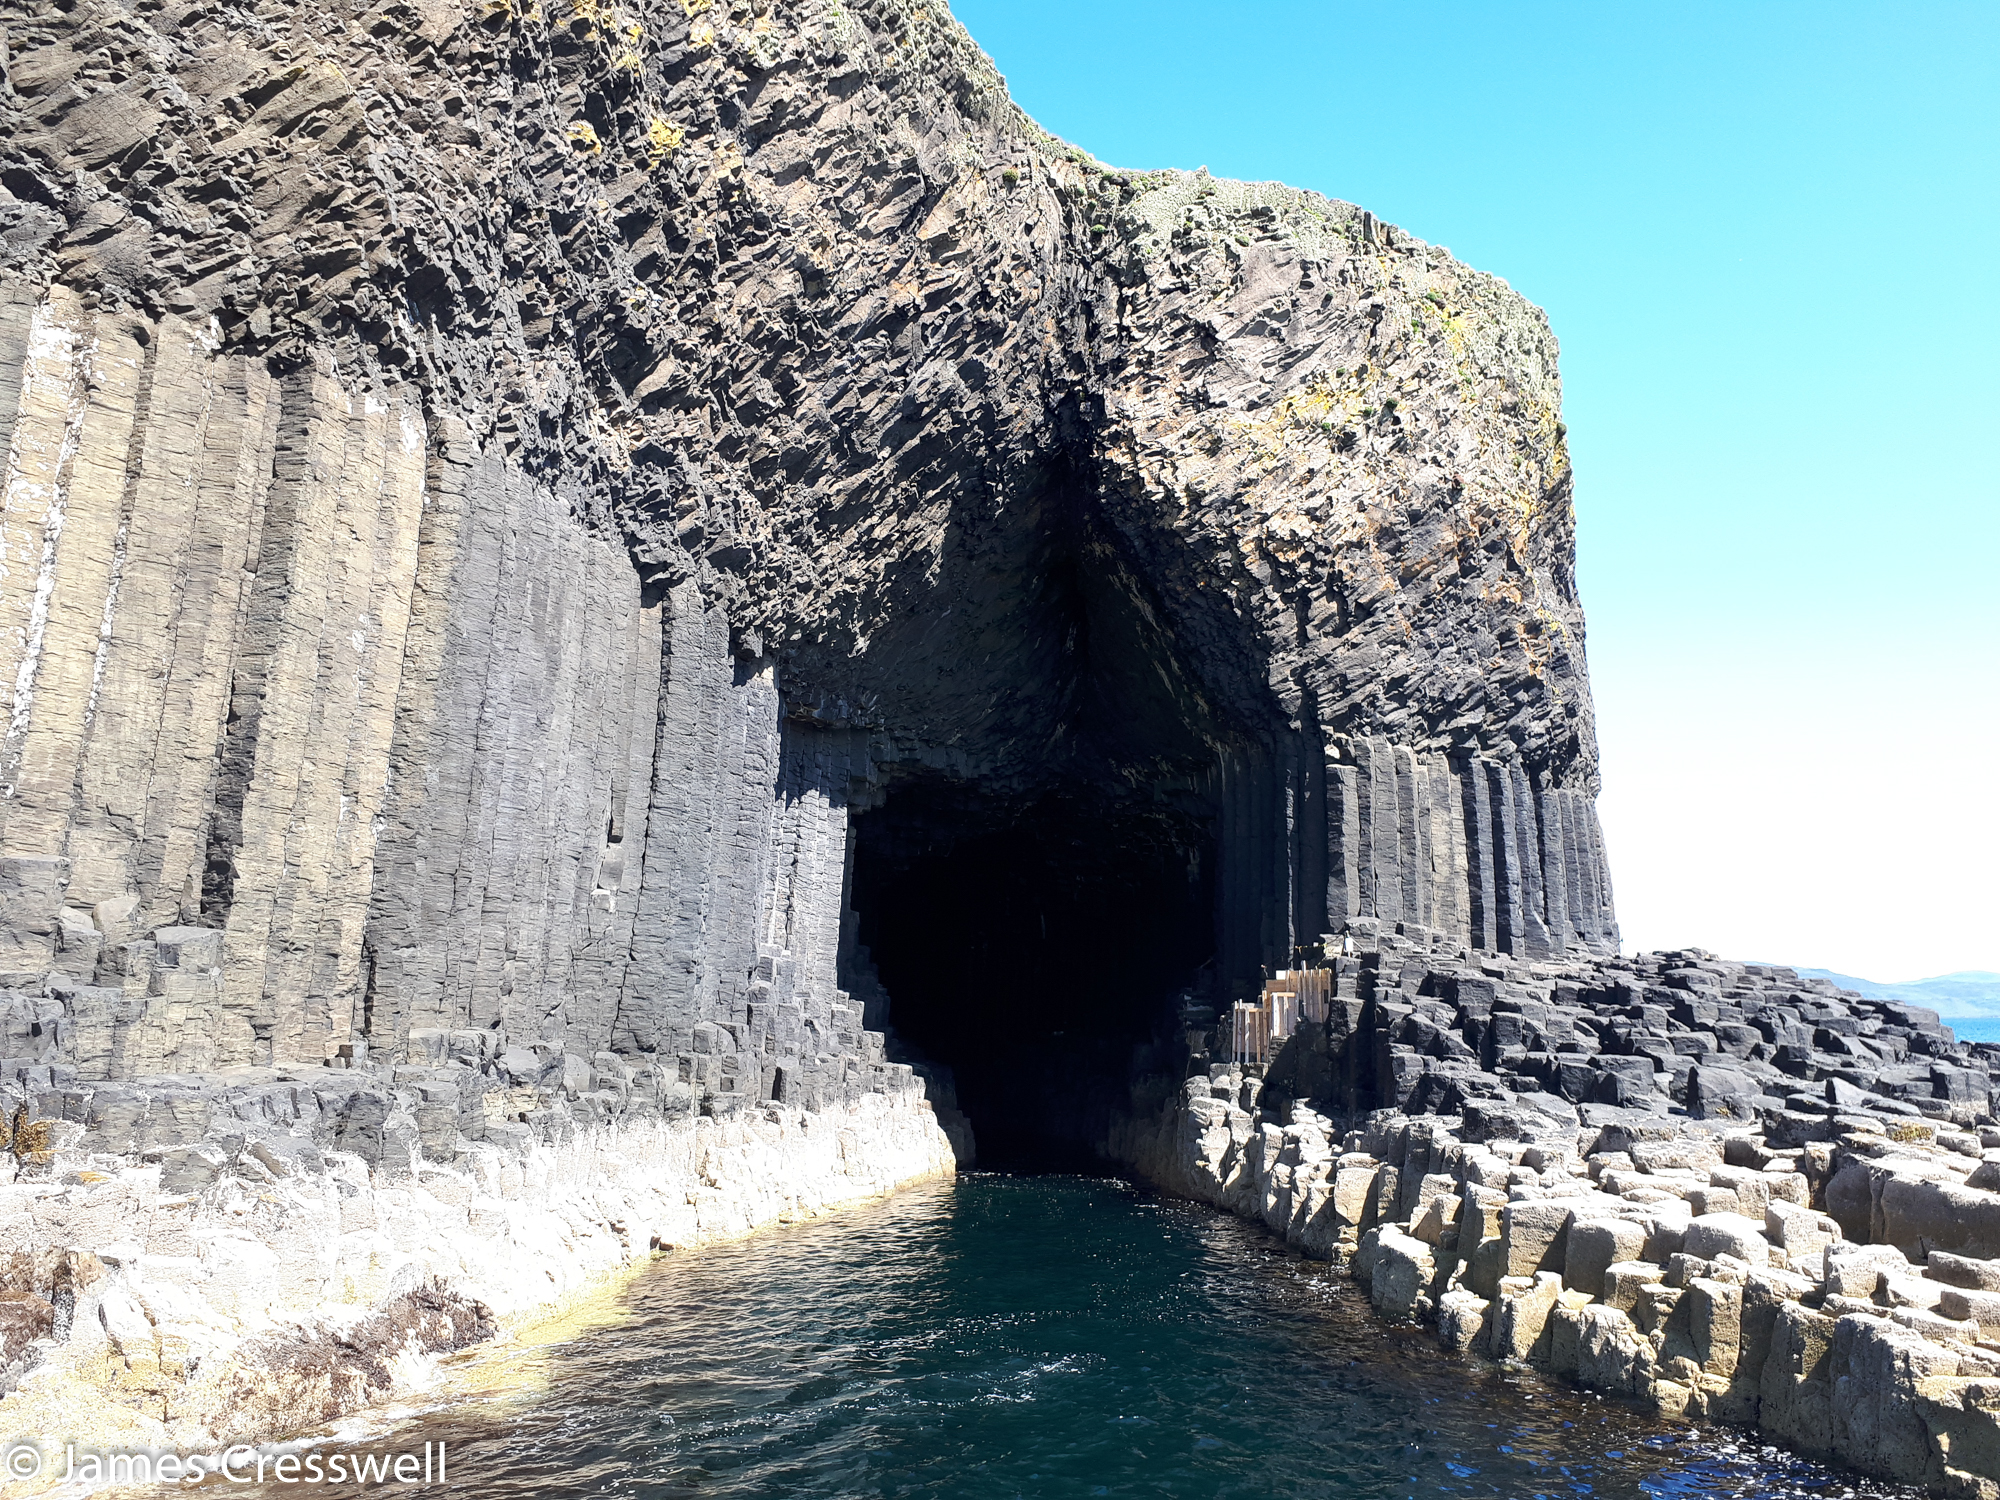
pixel 332 730
pixel 1466 846
pixel 1457 844
pixel 523 532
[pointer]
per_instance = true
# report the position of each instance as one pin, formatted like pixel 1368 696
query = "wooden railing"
pixel 1250 1023
pixel 1258 1026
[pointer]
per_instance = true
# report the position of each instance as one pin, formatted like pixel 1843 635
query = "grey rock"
pixel 192 1169
pixel 1722 1094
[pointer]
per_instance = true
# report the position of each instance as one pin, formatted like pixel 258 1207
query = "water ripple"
pixel 1053 1337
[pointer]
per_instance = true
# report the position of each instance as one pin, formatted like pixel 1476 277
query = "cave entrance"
pixel 1037 947
pixel 1035 922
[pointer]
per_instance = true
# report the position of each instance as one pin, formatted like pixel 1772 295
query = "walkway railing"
pixel 1258 1026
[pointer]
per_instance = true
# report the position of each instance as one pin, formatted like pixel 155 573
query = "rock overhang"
pixel 633 448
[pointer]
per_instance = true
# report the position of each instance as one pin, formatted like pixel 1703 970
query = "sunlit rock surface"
pixel 1736 1194
pixel 618 622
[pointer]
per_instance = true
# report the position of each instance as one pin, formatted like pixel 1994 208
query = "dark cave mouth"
pixel 1035 945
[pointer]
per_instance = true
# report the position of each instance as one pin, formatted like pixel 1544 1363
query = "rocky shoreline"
pixel 513 516
pixel 268 1277
pixel 1733 1194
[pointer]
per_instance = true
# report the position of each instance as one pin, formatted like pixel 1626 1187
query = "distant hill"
pixel 1973 993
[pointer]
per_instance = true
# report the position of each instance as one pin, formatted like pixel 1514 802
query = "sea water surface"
pixel 1045 1336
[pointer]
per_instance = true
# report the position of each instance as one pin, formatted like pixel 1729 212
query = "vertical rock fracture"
pixel 621 621
pixel 1736 1194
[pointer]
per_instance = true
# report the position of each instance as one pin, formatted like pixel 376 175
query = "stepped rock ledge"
pixel 535 535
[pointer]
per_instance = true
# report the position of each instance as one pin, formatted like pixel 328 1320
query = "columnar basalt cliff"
pixel 1735 1194
pixel 616 616
pixel 501 503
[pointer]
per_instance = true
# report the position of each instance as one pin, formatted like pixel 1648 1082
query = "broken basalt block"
pixel 1721 1268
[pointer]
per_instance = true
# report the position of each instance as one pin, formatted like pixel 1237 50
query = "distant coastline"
pixel 1971 995
pixel 1967 1001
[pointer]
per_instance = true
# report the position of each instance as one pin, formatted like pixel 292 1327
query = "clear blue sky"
pixel 1765 235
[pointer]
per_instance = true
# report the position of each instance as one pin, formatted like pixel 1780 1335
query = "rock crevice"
pixel 1732 1193
pixel 529 535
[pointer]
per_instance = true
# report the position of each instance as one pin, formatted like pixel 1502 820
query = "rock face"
pixel 252 1285
pixel 1739 1195
pixel 560 569
pixel 541 546
pixel 471 473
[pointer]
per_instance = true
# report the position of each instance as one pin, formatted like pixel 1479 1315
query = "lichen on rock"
pixel 537 537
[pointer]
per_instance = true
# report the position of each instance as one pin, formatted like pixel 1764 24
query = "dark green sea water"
pixel 1051 1337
